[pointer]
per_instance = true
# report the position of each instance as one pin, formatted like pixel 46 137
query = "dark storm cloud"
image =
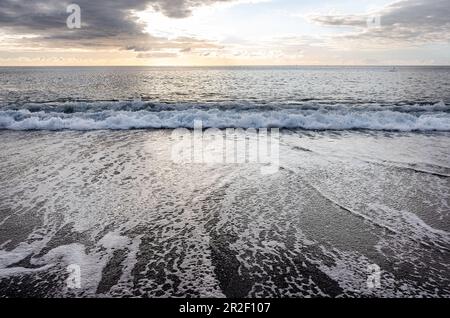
pixel 414 21
pixel 180 8
pixel 104 23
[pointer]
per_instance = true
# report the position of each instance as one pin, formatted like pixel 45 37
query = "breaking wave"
pixel 144 115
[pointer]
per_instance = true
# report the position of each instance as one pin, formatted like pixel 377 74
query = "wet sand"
pixel 137 223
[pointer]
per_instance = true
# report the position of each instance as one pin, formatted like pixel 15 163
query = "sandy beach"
pixel 136 223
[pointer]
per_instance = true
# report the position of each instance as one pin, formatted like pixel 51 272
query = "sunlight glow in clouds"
pixel 225 32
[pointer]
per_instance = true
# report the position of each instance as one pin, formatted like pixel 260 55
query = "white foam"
pixel 415 118
pixel 114 240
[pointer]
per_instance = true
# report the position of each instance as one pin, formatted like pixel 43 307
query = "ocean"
pixel 94 201
pixel 321 98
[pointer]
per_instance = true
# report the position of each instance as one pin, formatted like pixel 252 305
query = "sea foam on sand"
pixel 139 224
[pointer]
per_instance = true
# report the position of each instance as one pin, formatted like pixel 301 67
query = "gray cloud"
pixel 104 23
pixel 406 21
pixel 180 8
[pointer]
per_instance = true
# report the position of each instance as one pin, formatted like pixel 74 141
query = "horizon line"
pixel 243 65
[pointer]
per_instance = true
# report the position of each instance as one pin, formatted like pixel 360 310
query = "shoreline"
pixel 139 224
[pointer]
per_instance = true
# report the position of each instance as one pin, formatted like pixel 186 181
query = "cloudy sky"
pixel 226 32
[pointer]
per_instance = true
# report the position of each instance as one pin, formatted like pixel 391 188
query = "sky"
pixel 225 32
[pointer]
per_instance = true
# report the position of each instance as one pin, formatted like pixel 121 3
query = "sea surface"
pixel 93 204
pixel 378 98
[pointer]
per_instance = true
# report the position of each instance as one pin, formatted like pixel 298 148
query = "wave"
pixel 142 115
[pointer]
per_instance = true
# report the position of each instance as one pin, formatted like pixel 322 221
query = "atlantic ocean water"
pixel 359 207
